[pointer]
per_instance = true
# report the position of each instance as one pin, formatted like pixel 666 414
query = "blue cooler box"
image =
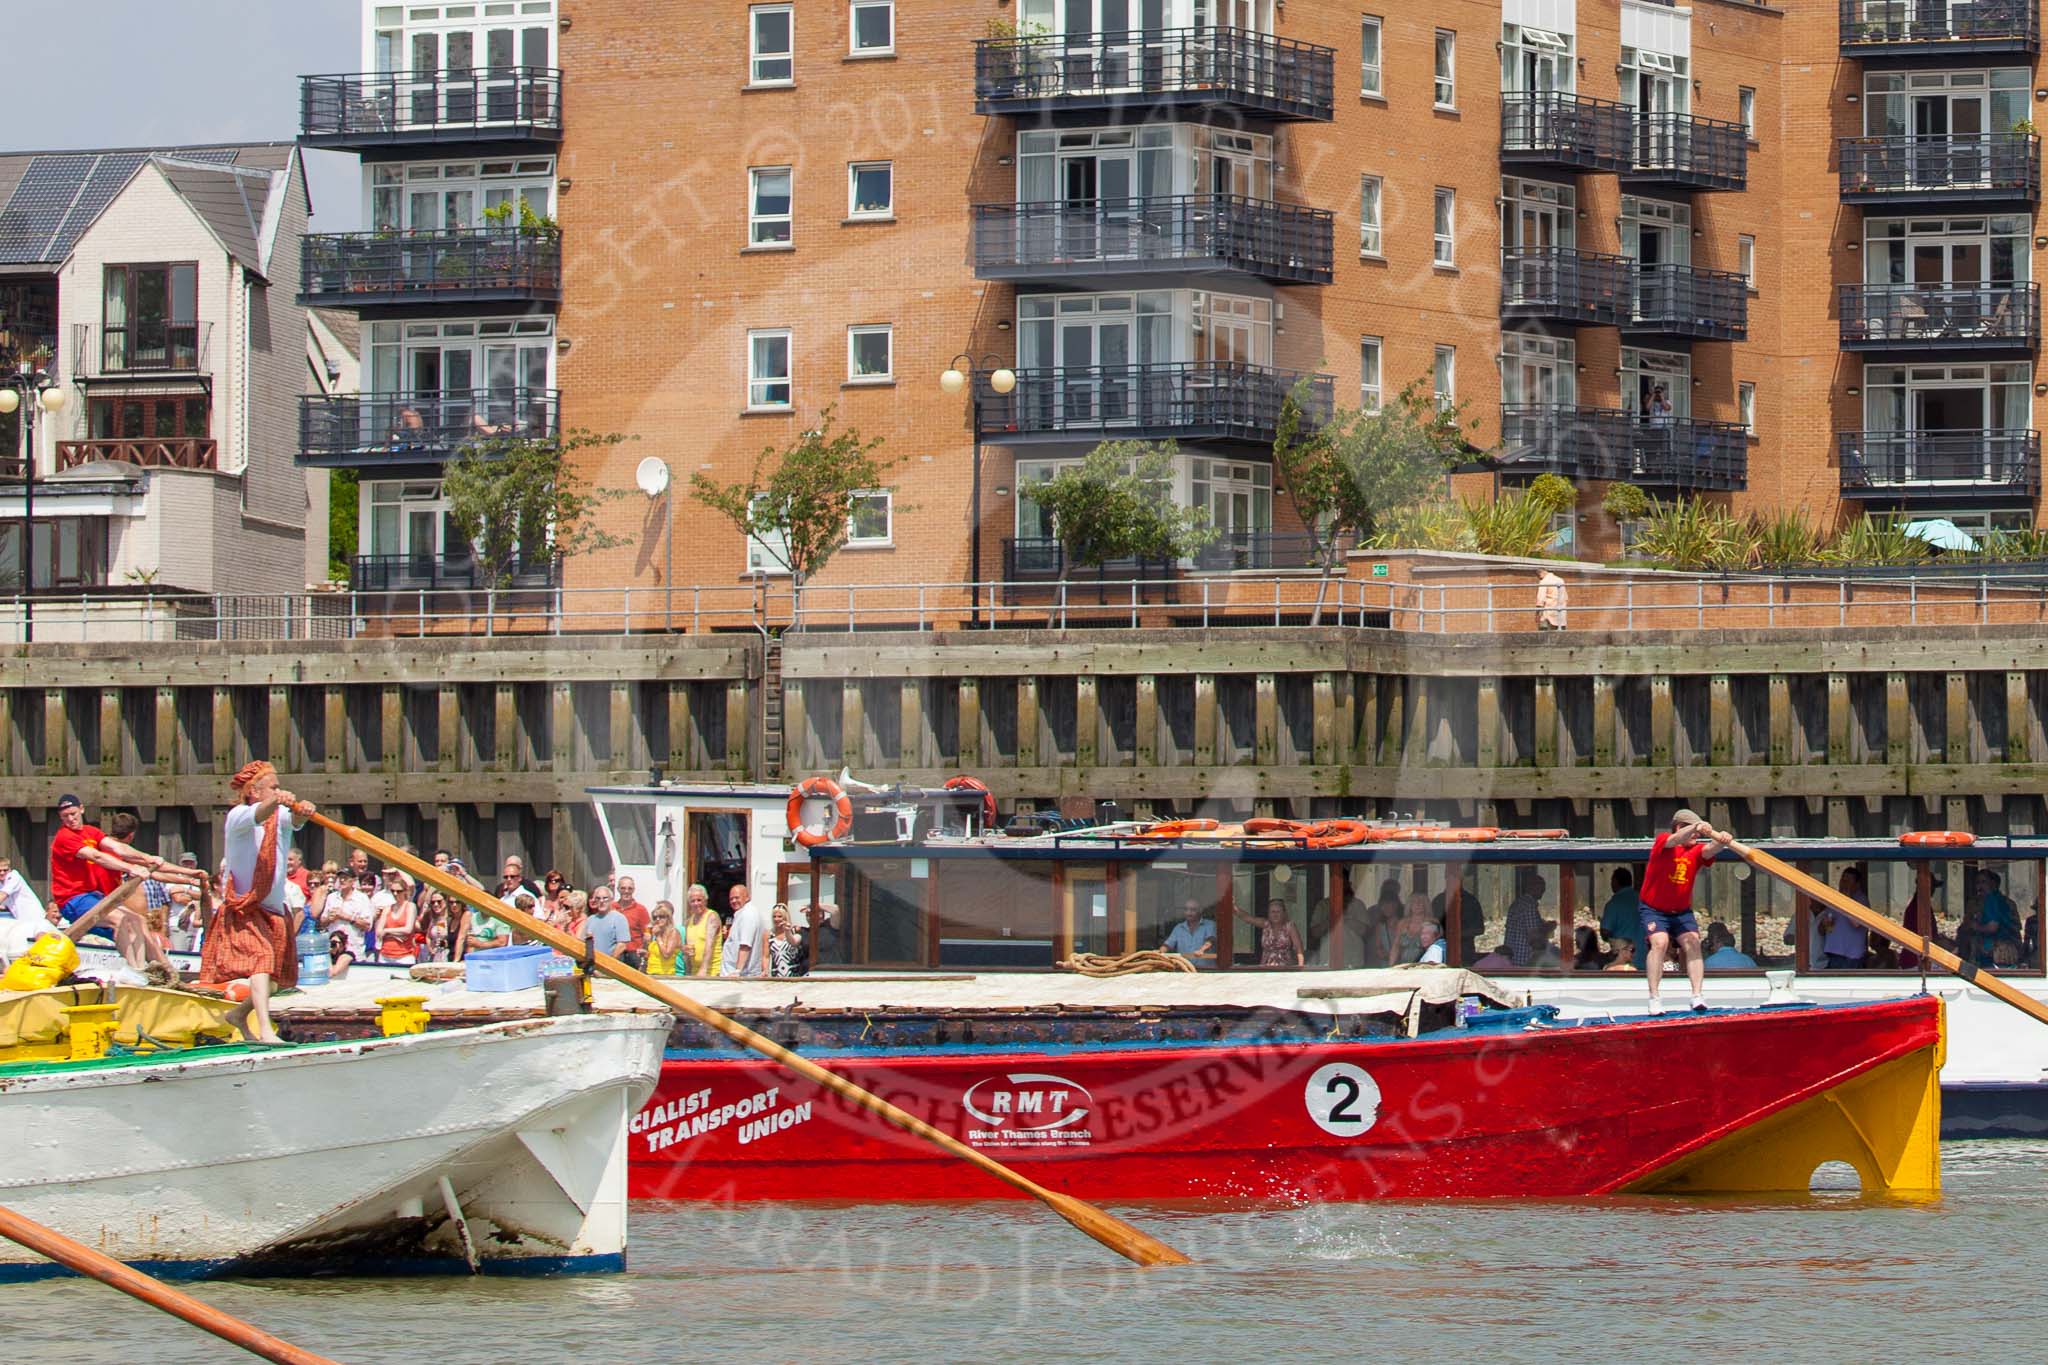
pixel 506 969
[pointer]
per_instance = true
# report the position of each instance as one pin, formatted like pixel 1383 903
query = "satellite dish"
pixel 652 476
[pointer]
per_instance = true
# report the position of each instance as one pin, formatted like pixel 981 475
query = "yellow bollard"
pixel 402 1014
pixel 91 1028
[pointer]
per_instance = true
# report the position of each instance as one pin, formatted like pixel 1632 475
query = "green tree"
pixel 798 501
pixel 1118 504
pixel 514 495
pixel 344 500
pixel 1349 474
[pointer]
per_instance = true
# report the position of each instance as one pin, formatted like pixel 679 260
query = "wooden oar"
pixel 83 1259
pixel 1819 890
pixel 1105 1228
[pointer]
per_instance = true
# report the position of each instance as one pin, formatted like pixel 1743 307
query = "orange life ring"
pixel 964 783
pixel 821 789
pixel 1176 829
pixel 1336 833
pixel 1945 838
pixel 1471 835
pixel 1534 833
pixel 1267 826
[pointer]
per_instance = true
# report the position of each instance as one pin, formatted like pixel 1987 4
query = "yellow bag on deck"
pixel 52 958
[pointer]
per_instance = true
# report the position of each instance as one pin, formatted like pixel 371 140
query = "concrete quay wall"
pixel 486 746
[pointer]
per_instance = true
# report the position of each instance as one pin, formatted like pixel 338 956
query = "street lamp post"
pixel 27 390
pixel 1002 379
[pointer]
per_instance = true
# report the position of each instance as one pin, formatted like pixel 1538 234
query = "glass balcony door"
pixel 1098 216
pixel 1095 378
pixel 1948 127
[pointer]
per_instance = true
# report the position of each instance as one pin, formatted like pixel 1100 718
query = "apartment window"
pixel 768 381
pixel 162 417
pixel 1745 405
pixel 871 189
pixel 1745 103
pixel 150 317
pixel 870 518
pixel 767 552
pixel 873 27
pixel 1370 241
pixel 769 221
pixel 1443 252
pixel 1444 376
pixel 1745 258
pixel 772 45
pixel 1369 374
pixel 870 354
pixel 1369 55
pixel 1446 69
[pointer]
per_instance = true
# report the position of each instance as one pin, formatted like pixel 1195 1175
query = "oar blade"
pixel 1113 1232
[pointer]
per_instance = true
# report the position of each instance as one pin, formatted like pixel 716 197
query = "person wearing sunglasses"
pixel 664 941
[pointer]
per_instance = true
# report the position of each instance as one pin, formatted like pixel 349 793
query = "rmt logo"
pixel 1027 1101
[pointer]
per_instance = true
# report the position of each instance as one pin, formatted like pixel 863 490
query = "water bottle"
pixel 313 960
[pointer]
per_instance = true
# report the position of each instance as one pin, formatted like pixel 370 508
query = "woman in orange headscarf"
pixel 251 933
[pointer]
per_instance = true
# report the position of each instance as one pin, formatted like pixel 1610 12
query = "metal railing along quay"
pixel 354 269
pixel 456 105
pixel 1215 67
pixel 2003 596
pixel 1285 243
pixel 1947 316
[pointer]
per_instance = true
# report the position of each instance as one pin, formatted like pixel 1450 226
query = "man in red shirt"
pixel 1676 858
pixel 639 919
pixel 85 866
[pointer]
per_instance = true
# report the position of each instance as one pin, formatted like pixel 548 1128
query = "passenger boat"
pixel 921 883
pixel 498 1149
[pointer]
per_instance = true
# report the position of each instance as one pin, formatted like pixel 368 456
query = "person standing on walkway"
pixel 1551 601
pixel 250 936
pixel 1676 857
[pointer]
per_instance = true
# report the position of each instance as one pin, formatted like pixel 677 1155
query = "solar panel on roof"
pixel 107 177
pixel 39 204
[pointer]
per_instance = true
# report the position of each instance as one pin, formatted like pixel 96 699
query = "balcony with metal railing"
pixel 1941 468
pixel 1990 168
pixel 1192 401
pixel 449 572
pixel 1609 444
pixel 367 110
pixel 1177 234
pixel 1569 132
pixel 467 266
pixel 140 349
pixel 1042 559
pixel 1557 284
pixel 1947 317
pixel 1680 301
pixel 1689 152
pixel 1227 70
pixel 1939 28
pixel 385 429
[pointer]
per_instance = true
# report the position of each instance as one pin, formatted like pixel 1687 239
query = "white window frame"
pixel 887 497
pixel 755 56
pixel 756 220
pixel 1445 54
pixel 888 333
pixel 1444 367
pixel 1745 104
pixel 853 208
pixel 1745 259
pixel 1745 405
pixel 1372 82
pixel 757 383
pixel 1444 227
pixel 1372 240
pixel 765 554
pixel 1371 372
pixel 853 13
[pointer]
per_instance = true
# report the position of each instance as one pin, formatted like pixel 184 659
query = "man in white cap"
pixel 1676 858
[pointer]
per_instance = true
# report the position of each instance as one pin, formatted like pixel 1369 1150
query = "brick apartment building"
pixel 1777 256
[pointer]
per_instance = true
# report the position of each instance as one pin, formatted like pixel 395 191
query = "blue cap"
pixel 68 800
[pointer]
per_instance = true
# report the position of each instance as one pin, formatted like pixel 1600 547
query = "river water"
pixel 1826 1277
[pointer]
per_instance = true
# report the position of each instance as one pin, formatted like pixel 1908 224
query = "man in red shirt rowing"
pixel 1666 899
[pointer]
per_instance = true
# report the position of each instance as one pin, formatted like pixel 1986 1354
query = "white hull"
pixel 331 1158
